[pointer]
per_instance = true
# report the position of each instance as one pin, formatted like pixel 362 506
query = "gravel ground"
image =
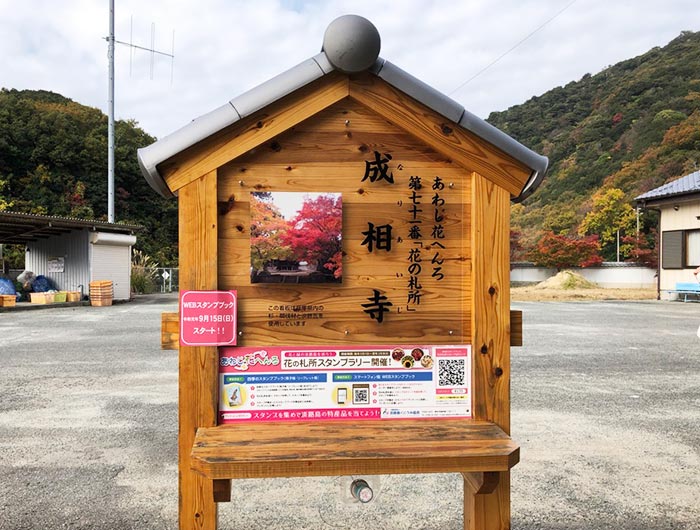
pixel 606 407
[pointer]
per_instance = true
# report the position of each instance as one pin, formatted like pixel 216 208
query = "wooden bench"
pixel 479 450
pixel 476 449
pixel 690 291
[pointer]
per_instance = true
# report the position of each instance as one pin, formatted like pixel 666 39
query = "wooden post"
pixel 198 365
pixel 491 340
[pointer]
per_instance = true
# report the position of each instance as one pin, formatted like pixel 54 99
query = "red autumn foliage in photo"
pixel 307 244
pixel 314 234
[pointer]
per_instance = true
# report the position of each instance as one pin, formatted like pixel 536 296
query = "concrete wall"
pixel 620 276
pixel 608 275
pixel 527 273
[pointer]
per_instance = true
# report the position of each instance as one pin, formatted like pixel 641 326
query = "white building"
pixel 73 252
pixel 679 205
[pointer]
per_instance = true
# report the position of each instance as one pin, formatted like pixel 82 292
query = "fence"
pixel 608 274
pixel 167 279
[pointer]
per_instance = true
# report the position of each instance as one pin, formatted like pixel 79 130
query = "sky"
pixel 224 47
pixel 290 203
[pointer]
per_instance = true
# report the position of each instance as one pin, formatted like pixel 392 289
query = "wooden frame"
pixel 205 177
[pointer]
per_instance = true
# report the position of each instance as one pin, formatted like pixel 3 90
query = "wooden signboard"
pixel 418 210
pixel 406 235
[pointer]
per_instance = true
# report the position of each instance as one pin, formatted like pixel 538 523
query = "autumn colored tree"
pixel 611 215
pixel 517 252
pixel 559 251
pixel 267 225
pixel 315 233
pixel 644 248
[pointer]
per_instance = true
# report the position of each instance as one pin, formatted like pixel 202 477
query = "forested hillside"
pixel 631 127
pixel 609 137
pixel 53 161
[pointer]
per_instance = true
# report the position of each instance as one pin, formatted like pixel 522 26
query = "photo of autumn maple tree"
pixel 296 237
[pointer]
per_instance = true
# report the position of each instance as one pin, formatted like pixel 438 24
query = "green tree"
pixel 5 202
pixel 53 159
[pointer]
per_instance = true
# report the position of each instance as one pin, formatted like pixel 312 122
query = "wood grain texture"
pixel 251 132
pixel 198 366
pixel 461 146
pixel 262 450
pixel 326 154
pixel 169 331
pixel 339 134
pixel 318 177
pixel 491 340
pixel 491 299
pixel 430 329
pixel 516 328
pixel 235 223
pixel 483 500
pixel 481 483
pixel 222 491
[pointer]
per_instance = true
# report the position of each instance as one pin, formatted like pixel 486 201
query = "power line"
pixel 567 6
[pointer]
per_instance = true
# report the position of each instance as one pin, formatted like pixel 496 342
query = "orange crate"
pixel 101 283
pixel 100 302
pixel 72 296
pixel 8 300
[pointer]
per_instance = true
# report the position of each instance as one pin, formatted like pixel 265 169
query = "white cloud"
pixel 224 47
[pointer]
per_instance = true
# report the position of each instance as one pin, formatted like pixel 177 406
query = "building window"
pixel 692 248
pixel 672 242
pixel 680 249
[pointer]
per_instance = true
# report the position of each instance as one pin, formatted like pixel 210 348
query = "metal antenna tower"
pixel 111 41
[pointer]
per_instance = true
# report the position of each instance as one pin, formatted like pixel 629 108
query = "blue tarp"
pixel 42 284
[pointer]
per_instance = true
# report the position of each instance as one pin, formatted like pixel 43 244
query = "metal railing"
pixel 167 279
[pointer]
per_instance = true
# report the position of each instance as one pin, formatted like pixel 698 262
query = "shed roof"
pixel 21 228
pixel 688 185
pixel 353 39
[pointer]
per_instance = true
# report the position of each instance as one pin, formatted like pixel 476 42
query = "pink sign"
pixel 208 318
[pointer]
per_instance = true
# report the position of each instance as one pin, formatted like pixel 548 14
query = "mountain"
pixel 633 126
pixel 53 161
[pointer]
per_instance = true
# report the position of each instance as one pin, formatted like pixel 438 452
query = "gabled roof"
pixel 688 185
pixel 351 45
pixel 21 228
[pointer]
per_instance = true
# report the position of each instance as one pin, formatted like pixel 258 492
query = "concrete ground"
pixel 606 407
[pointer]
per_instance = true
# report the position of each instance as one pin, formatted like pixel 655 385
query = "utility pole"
pixel 110 118
pixel 111 41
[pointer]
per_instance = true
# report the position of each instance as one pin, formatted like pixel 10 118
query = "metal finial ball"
pixel 351 43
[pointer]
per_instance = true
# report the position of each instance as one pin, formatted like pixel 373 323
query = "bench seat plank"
pixel 280 449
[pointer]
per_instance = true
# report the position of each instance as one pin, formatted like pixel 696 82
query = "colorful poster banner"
pixel 208 318
pixel 344 383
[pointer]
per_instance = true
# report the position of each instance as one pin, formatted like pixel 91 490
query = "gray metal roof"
pixel 690 184
pixel 21 228
pixel 314 68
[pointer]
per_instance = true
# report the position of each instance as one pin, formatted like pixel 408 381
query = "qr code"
pixel 451 372
pixel 360 396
